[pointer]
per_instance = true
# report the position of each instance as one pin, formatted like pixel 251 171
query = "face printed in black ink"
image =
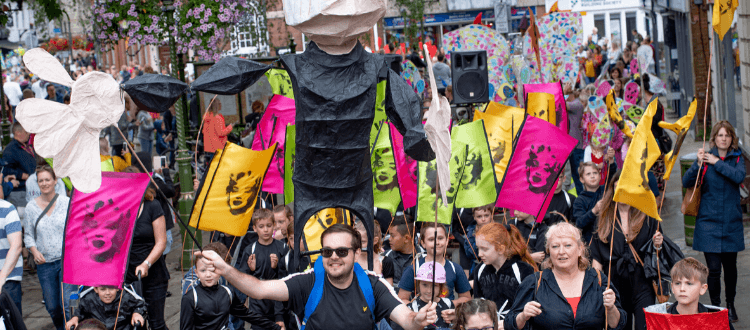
pixel 242 191
pixel 104 235
pixel 542 168
pixel 384 170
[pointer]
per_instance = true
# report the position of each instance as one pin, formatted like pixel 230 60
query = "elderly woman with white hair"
pixel 567 293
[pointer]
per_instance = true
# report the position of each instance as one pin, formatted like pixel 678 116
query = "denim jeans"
pixel 576 157
pixel 50 278
pixel 170 240
pixel 146 145
pixel 13 288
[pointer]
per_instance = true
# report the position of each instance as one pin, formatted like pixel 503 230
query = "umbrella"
pixel 154 92
pixel 560 35
pixel 230 76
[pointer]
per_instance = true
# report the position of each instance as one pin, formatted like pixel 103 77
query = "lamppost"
pixel 183 159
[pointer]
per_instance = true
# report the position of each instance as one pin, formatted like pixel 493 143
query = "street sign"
pixel 502 17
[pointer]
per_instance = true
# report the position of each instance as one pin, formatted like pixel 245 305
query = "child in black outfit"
pixel 207 306
pixel 261 259
pixel 102 303
pixel 532 233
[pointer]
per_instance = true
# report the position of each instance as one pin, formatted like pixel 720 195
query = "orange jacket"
pixel 214 132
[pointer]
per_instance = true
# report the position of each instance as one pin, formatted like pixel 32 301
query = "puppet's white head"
pixel 334 25
pixel 69 134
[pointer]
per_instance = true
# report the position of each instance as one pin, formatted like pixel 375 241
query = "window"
pixel 630 24
pixel 599 24
pixel 247 36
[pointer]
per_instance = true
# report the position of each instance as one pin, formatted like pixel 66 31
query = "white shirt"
pixel 39 91
pixel 50 231
pixel 32 188
pixel 13 91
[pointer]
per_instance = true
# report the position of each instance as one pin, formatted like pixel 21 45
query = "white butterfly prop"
pixel 69 134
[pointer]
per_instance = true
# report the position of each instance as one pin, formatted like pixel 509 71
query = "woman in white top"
pixel 43 236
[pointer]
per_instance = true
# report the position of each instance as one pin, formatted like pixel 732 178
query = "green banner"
pixel 280 82
pixel 384 182
pixel 427 195
pixel 477 184
pixel 380 117
pixel 289 156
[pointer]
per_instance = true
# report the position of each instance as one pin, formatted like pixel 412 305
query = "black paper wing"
pixel 230 76
pixel 154 92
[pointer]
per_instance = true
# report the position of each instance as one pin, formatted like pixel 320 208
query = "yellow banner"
pixel 633 188
pixel 502 123
pixel 230 189
pixel 723 16
pixel 681 127
pixel 542 106
pixel 319 222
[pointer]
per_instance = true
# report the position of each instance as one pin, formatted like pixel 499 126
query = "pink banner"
pixel 272 129
pixel 99 230
pixel 406 170
pixel 538 158
pixel 560 107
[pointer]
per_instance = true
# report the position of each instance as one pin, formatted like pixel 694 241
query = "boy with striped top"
pixel 11 265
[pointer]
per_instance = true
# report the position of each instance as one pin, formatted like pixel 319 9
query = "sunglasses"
pixel 485 328
pixel 341 252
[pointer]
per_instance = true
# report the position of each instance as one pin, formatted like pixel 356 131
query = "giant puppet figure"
pixel 335 82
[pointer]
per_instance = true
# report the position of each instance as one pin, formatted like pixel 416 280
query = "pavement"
pixel 36 316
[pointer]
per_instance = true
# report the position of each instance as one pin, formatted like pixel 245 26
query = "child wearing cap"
pixel 427 293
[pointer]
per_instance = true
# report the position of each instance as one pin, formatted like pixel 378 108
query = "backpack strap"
pixel 252 249
pixel 567 197
pixel 447 302
pixel 453 267
pixel 228 292
pixel 317 291
pixel 41 215
pixel 414 305
pixel 517 272
pixel 481 269
pixel 195 298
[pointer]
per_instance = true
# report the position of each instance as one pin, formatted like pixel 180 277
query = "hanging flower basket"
pixel 138 21
pixel 204 25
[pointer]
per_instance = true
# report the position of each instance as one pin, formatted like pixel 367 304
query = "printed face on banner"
pixel 472 170
pixel 384 170
pixel 541 168
pixel 238 199
pixel 105 235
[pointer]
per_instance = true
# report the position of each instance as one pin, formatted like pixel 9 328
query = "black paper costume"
pixel 335 102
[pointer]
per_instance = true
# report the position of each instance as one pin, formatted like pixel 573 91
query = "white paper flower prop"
pixel 69 134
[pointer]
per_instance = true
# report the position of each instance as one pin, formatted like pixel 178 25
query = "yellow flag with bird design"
pixel 229 191
pixel 681 127
pixel 615 115
pixel 633 188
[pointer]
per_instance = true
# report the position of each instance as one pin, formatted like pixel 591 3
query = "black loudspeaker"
pixel 470 78
pixel 394 62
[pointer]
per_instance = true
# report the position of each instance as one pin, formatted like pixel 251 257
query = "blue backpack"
pixel 317 291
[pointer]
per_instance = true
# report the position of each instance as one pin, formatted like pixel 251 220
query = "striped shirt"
pixel 9 224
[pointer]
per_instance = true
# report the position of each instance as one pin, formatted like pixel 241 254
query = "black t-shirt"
pixel 340 309
pixel 561 203
pixel 389 267
pixel 536 231
pixel 143 243
pixel 262 254
pixel 400 262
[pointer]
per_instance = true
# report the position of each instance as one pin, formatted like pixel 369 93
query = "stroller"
pixel 131 295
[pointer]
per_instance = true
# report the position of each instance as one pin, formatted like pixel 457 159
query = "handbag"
pixel 692 200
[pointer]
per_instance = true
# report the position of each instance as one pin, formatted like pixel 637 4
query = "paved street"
pixel 36 316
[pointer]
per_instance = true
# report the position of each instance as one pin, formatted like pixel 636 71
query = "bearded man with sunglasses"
pixel 343 304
